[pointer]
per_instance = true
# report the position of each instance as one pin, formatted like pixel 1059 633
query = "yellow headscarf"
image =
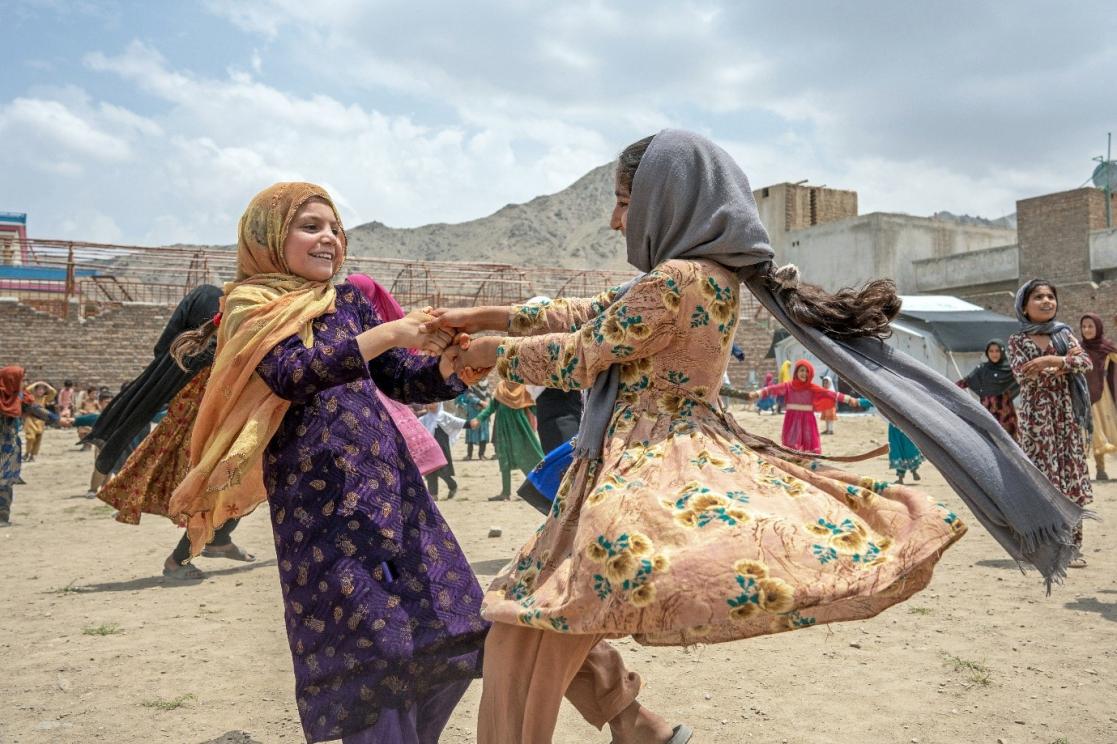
pixel 785 371
pixel 239 413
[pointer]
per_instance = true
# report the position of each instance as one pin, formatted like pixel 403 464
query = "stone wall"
pixel 106 349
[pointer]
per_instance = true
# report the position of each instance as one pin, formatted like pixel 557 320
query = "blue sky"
pixel 156 122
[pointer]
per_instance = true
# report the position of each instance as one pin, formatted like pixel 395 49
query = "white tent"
pixel 947 334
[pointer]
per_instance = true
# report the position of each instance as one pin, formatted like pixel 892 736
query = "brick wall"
pixel 1075 300
pixel 1054 234
pixel 115 346
pixel 815 205
pixel 107 349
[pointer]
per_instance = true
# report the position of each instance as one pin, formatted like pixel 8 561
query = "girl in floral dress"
pixel 1054 413
pixel 684 528
pixel 675 526
pixel 800 428
pixel 995 386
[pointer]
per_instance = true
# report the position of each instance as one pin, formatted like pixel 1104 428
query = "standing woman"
pixel 15 404
pixel 1102 381
pixel 472 402
pixel 517 444
pixel 995 386
pixel 1054 412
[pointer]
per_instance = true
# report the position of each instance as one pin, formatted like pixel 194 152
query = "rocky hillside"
pixel 568 229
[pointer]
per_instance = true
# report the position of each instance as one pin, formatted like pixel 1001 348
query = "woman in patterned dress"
pixel 995 386
pixel 685 529
pixel 1054 413
pixel 381 607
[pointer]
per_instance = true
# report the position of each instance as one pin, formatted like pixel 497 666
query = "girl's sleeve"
pixel 413 378
pixel 400 374
pixel 487 412
pixel 1078 361
pixel 34 409
pixel 1016 358
pixel 640 324
pixel 560 315
pixel 774 390
pixel 297 373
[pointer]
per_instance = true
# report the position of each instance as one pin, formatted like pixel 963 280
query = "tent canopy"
pixel 966 330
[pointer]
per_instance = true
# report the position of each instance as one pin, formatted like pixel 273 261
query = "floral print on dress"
pixel 1047 430
pixel 688 530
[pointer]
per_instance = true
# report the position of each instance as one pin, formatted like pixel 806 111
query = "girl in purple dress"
pixel 381 607
pixel 800 429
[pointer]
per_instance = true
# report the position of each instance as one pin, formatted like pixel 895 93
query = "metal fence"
pixel 68 278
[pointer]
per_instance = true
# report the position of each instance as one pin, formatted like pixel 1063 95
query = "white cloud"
pixel 421 112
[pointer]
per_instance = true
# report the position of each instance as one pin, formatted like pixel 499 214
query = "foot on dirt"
pixel 1078 563
pixel 230 550
pixel 638 724
pixel 451 494
pixel 500 497
pixel 176 571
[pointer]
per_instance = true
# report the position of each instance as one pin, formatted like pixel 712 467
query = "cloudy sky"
pixel 155 122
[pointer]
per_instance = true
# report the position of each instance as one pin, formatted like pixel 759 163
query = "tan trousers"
pixel 527 673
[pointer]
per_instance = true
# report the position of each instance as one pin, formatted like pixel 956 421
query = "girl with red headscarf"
pixel 800 428
pixel 15 402
pixel 1102 382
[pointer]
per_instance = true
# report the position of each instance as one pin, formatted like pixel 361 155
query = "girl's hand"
pixel 754 395
pixel 471 319
pixel 1042 364
pixel 481 352
pixel 413 331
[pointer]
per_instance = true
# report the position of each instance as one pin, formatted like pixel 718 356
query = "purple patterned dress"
pixel 382 608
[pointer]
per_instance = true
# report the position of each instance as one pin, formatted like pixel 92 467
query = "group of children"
pixel 293 404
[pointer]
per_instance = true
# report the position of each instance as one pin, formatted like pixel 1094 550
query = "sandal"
pixel 681 734
pixel 183 572
pixel 231 551
pixel 1079 562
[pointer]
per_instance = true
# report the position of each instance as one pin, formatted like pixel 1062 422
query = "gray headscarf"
pixel 690 200
pixel 1060 334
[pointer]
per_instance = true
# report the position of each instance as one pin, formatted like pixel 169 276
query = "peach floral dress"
pixel 689 530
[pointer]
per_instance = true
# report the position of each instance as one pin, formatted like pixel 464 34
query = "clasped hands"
pixel 446 332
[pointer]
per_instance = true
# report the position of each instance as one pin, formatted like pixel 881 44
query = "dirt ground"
pixel 96 646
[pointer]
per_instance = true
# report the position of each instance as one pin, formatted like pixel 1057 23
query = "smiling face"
pixel 1042 304
pixel 802 373
pixel 993 353
pixel 619 220
pixel 312 248
pixel 1089 329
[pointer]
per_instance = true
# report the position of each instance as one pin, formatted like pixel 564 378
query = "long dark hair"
pixel 848 313
pixel 192 343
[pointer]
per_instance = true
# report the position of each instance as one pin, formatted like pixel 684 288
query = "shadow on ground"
pixel 150 582
pixel 489 567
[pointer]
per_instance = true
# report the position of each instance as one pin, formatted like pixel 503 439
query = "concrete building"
pixel 819 230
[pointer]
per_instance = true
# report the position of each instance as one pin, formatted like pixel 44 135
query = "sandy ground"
pixel 96 646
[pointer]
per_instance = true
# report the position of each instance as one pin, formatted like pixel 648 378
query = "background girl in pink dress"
pixel 800 429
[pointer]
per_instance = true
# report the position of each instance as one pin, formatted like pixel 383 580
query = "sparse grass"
pixel 172 704
pixel 978 673
pixel 68 589
pixel 920 610
pixel 103 629
pixel 103 510
pixel 1061 740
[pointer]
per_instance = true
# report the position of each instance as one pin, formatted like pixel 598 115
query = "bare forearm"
pixel 375 341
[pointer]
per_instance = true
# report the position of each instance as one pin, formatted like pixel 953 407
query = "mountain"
pixel 568 229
